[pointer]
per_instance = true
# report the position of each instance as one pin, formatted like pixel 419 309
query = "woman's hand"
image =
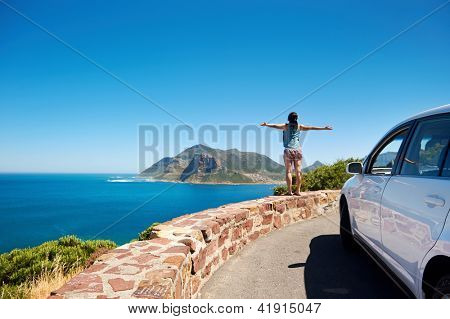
pixel 263 124
pixel 328 128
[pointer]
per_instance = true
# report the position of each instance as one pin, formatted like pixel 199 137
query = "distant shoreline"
pixel 209 183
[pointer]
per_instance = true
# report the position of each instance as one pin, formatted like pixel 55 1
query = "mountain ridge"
pixel 203 164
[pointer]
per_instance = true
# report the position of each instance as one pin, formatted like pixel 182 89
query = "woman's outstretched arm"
pixel 277 126
pixel 315 128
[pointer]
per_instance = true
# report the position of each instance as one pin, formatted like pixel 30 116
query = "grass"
pixel 42 286
pixel 50 281
pixel 34 272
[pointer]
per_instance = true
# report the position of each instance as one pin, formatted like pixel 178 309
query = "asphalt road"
pixel 304 260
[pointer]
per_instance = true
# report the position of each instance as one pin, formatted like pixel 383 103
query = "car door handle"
pixel 434 201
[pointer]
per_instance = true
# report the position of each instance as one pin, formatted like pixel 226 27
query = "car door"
pixel 416 200
pixel 365 198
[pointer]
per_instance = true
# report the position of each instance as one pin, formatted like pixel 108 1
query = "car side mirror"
pixel 354 168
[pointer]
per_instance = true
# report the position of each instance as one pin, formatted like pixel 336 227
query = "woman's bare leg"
pixel 288 165
pixel 298 174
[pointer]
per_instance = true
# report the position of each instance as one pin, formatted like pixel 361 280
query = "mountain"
pixel 203 164
pixel 312 167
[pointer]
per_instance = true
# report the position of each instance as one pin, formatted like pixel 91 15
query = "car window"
pixel 384 161
pixel 428 148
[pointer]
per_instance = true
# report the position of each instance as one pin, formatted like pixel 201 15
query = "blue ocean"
pixel 39 207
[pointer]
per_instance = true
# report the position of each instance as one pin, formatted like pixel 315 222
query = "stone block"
pixel 236 233
pixel 176 261
pixel 281 208
pixel 82 283
pixel 224 254
pixel 149 290
pixel 277 221
pixel 200 216
pixel 161 241
pixel 118 284
pixel 212 247
pixel 178 288
pixel 265 207
pixel 301 202
pixel 291 204
pixel 267 219
pixel 224 218
pixel 185 223
pixel 207 270
pixel 253 210
pixel 240 215
pixel 199 261
pixel 189 243
pixel 248 225
pixel 187 290
pixel 286 219
pixel 232 249
pixel 120 250
pixel 223 236
pixel 195 284
pixel 257 221
pixel 215 226
pixel 254 236
pixel 177 250
pixel 95 268
pixel 149 249
pixel 159 275
pixel 206 232
pixel 123 256
pixel 126 269
pixel 144 258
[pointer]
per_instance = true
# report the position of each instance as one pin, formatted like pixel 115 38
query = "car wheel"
pixel 442 288
pixel 345 227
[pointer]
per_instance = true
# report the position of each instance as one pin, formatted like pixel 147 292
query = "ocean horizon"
pixel 38 207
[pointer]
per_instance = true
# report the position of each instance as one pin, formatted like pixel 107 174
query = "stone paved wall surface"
pixel 187 250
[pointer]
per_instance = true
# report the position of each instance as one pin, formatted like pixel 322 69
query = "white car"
pixel 396 206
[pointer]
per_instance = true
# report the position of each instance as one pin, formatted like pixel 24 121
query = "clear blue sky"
pixel 215 62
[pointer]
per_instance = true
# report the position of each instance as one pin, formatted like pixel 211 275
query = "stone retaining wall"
pixel 187 250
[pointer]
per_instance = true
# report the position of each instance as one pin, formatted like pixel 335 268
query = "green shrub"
pixel 69 241
pixel 282 189
pixel 22 266
pixel 147 234
pixel 325 177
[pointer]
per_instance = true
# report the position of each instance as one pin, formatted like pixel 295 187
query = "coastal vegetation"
pixel 34 272
pixel 146 234
pixel 324 177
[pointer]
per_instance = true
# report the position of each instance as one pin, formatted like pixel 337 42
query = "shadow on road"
pixel 332 272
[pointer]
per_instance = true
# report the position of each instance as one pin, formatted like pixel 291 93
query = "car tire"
pixel 345 228
pixel 442 288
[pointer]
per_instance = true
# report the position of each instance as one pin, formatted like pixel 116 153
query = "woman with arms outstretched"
pixel 292 148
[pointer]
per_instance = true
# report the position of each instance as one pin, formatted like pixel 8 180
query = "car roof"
pixel 434 111
pixel 437 110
